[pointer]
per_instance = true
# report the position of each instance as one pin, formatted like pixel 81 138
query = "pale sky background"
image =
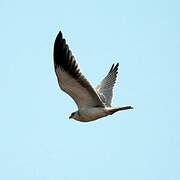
pixel 39 142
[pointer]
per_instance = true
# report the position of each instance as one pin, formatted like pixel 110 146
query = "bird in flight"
pixel 92 103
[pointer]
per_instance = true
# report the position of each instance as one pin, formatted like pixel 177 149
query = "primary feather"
pixel 70 78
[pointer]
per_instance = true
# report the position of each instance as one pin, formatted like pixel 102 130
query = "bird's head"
pixel 74 115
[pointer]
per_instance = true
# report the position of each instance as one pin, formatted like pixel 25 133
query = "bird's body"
pixel 94 113
pixel 90 114
pixel 92 103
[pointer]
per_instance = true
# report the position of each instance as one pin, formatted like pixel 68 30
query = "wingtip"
pixel 59 40
pixel 60 35
pixel 117 65
pixel 112 67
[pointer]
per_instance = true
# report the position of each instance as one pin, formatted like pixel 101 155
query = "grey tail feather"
pixel 113 110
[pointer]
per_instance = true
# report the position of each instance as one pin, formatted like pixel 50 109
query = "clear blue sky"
pixel 39 142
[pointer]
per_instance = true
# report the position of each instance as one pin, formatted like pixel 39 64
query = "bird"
pixel 92 103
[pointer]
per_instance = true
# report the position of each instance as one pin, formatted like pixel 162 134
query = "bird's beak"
pixel 70 117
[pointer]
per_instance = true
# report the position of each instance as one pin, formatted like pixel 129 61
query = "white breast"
pixel 91 114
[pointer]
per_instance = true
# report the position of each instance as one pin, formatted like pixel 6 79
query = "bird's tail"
pixel 113 110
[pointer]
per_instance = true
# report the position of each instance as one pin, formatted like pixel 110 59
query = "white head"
pixel 74 115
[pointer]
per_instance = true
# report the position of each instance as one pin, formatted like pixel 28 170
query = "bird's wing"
pixel 70 78
pixel 105 89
